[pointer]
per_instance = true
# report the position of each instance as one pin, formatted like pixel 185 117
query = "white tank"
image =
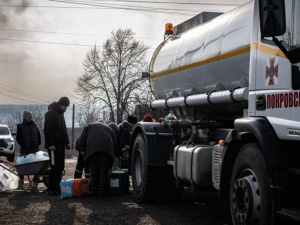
pixel 213 56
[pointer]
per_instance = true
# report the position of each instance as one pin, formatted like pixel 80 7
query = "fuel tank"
pixel 210 57
pixel 193 164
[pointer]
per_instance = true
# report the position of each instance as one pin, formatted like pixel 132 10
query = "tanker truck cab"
pixel 233 83
pixel 275 75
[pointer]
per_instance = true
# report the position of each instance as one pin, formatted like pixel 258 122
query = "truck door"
pixel 277 86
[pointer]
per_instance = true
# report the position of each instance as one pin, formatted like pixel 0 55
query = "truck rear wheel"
pixel 142 176
pixel 250 197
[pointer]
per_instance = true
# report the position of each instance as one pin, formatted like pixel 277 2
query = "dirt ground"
pixel 36 207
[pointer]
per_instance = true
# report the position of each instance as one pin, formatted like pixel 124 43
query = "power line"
pixel 128 7
pixel 22 92
pixel 162 2
pixel 54 32
pixel 49 6
pixel 45 42
pixel 21 99
pixel 18 93
pixel 95 7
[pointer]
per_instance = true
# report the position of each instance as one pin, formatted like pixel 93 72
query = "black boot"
pixel 77 175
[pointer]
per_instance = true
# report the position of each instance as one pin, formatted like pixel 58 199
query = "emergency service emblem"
pixel 271 72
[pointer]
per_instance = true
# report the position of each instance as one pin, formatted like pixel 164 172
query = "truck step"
pixel 171 163
pixel 294 171
pixel 290 213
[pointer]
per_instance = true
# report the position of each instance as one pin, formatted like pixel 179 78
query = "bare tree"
pixel 112 75
pixel 86 115
pixel 13 120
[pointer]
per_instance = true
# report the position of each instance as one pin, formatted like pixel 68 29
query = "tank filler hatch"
pixel 195 21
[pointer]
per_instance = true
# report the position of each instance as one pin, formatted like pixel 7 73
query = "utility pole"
pixel 73 121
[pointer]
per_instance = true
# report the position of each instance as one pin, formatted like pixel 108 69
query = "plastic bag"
pixel 31 158
pixel 41 156
pixel 20 160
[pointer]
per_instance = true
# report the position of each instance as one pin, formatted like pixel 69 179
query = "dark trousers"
pixel 81 165
pixel 56 170
pixel 100 164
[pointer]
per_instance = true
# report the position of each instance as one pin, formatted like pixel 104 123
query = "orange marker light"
pixel 169 29
pixel 222 143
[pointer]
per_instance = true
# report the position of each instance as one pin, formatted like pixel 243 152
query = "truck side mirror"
pixel 272 17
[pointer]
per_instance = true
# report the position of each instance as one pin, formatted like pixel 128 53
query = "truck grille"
pixel 3 143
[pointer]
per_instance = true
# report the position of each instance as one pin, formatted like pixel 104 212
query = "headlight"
pixel 10 139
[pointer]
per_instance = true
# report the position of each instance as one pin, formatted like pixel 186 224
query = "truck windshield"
pixel 292 35
pixel 296 41
pixel 4 131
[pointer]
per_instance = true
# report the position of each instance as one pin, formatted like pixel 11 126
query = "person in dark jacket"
pixel 81 164
pixel 97 142
pixel 29 139
pixel 56 141
pixel 28 135
pixel 125 134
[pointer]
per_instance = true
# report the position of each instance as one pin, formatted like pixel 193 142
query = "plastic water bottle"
pixel 8 180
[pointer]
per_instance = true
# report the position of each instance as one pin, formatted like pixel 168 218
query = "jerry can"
pixel 66 188
pixel 80 187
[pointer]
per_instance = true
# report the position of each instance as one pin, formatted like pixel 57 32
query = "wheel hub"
pixel 246 199
pixel 138 168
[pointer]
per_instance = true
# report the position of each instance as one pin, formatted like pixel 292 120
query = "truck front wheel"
pixel 250 197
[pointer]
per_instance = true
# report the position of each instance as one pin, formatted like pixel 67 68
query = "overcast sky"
pixel 43 43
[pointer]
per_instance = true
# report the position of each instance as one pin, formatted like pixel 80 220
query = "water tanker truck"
pixel 233 84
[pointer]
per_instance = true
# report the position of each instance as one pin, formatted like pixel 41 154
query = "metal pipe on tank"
pixel 158 104
pixel 175 102
pixel 220 97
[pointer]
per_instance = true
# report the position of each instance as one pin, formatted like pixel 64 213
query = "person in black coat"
pixel 56 141
pixel 125 134
pixel 97 142
pixel 28 135
pixel 29 139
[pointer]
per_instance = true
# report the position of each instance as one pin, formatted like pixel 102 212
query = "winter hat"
pixel 148 118
pixel 26 114
pixel 132 119
pixel 115 127
pixel 64 101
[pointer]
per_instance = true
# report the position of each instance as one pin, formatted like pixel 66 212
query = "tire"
pixel 250 194
pixel 11 157
pixel 151 183
pixel 141 175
